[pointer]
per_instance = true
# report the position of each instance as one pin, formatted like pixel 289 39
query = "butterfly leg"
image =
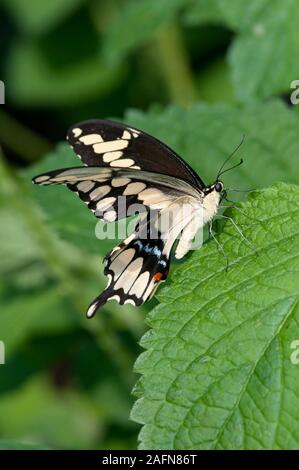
pixel 220 247
pixel 240 232
pixel 234 206
pixel 243 213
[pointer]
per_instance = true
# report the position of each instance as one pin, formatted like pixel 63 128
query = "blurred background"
pixel 67 382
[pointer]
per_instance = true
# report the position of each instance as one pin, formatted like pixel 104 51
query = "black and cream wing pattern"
pixel 125 172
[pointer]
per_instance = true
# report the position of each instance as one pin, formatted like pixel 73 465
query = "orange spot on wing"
pixel 157 277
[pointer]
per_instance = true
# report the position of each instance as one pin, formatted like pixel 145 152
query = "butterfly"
pixel 124 163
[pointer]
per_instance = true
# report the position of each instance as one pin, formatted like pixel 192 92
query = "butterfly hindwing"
pixel 112 144
pixel 136 267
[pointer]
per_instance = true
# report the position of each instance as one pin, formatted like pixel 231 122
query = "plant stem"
pixel 174 64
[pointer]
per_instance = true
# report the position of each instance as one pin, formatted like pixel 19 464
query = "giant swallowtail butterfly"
pixel 121 161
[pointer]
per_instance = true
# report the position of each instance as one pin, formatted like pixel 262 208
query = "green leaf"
pixel 16 245
pixel 137 23
pixel 36 17
pixel 34 80
pixel 235 14
pixel 217 373
pixel 209 133
pixel 260 56
pixel 64 419
pixel 32 312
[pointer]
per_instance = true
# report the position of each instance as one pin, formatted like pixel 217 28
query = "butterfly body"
pixel 128 172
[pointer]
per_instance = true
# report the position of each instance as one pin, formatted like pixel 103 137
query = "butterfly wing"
pixel 112 144
pixel 122 161
pixel 115 193
pixel 138 265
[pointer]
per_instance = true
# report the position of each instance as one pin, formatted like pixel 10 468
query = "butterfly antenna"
pixel 220 172
pixel 231 168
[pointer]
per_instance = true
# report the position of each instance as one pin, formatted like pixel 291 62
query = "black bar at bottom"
pixel 136 459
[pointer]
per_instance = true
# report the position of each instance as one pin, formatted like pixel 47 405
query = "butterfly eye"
pixel 218 187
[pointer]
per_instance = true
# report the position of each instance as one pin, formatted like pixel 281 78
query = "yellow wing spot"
pixel 77 131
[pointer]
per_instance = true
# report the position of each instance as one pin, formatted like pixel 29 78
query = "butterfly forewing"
pixel 115 193
pixel 112 144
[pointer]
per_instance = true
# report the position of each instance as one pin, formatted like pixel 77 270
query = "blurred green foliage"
pixel 198 74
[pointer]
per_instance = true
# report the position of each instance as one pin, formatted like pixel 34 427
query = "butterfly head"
pixel 217 188
pixel 213 194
